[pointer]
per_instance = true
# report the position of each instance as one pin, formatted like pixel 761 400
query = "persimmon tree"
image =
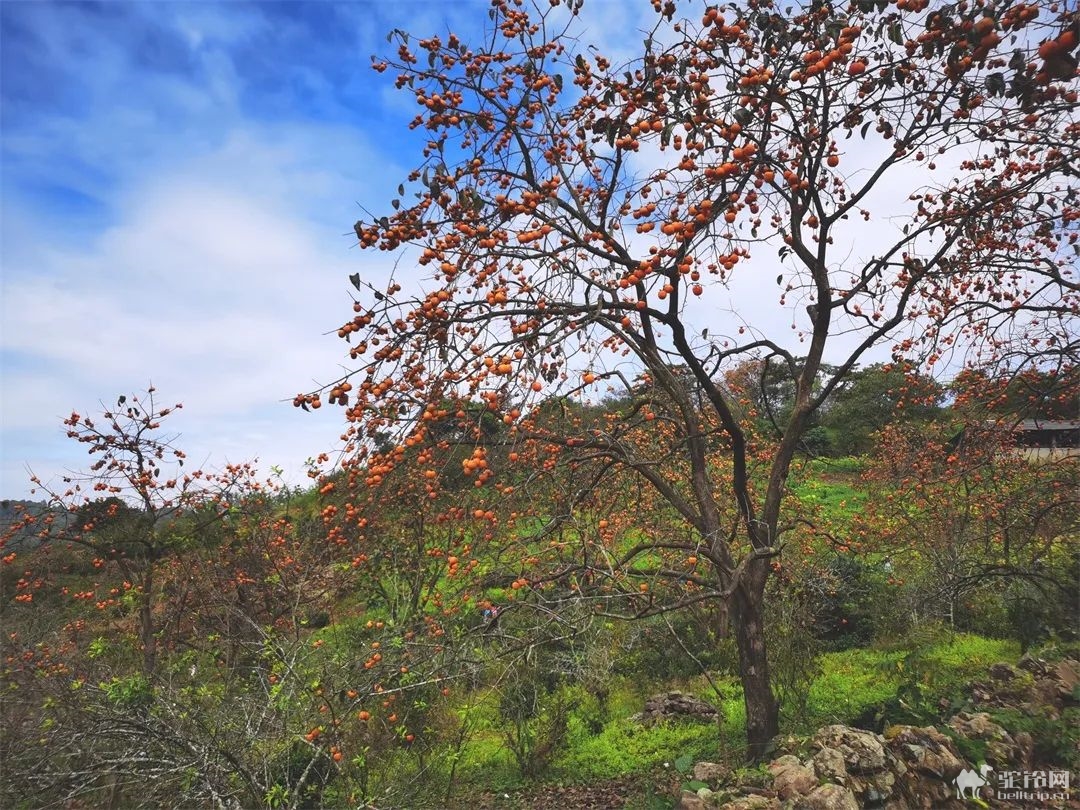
pixel 968 523
pixel 899 174
pixel 133 509
pixel 1046 392
pixel 158 632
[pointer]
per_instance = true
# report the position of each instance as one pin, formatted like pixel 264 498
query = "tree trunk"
pixel 147 630
pixel 762 716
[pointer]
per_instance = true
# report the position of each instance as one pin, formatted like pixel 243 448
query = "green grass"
pixel 851 683
pixel 845 465
pixel 487 763
pixel 855 681
pixel 627 747
pixel 967 656
pixel 832 486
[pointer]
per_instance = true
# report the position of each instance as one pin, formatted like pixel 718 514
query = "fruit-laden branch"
pixel 910 166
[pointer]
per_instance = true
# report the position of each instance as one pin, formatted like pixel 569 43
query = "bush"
pixel 1057 739
pixel 793 651
pixel 650 652
pixel 849 606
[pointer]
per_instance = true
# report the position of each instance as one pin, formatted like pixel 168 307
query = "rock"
pixel 858 761
pixel 752 803
pixel 675 704
pixel 829 766
pixel 862 751
pixel 794 780
pixel 1046 698
pixel 828 797
pixel 1009 688
pixel 976 726
pixel 691 801
pixel 907 768
pixel 931 764
pixel 1036 666
pixel 1067 674
pixel 1025 745
pixel 1055 684
pixel 783 763
pixel 873 790
pixel 712 773
pixel 1005 688
pixel 925 750
pixel 1002 672
pixel 982 694
pixel 1001 749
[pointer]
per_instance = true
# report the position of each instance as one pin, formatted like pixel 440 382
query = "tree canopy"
pixel 898 175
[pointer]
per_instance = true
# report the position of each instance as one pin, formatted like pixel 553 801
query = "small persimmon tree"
pixel 128 514
pixel 155 641
pixel 903 170
pixel 974 532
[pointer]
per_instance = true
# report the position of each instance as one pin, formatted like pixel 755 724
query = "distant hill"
pixel 11 512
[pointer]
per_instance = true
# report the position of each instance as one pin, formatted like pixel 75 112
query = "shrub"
pixel 1057 739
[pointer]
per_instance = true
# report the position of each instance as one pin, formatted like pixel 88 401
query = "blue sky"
pixel 178 186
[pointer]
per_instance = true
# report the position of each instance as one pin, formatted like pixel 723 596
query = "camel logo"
pixel 972 780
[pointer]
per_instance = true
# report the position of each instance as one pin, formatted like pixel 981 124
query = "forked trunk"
pixel 762 718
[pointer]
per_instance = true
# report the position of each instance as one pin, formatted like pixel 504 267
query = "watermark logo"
pixel 969 780
pixel 1022 786
pixel 1042 786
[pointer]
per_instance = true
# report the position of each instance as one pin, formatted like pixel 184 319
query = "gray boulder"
pixel 862 750
pixel 828 797
pixel 675 704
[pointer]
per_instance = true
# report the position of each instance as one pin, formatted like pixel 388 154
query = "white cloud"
pixel 217 283
pixel 226 253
